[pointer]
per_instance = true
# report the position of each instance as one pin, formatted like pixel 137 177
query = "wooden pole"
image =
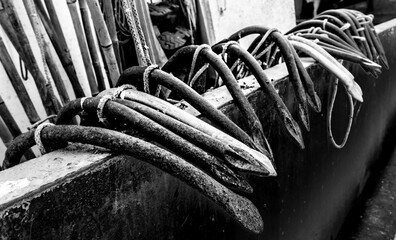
pixel 9 128
pixel 105 40
pixel 111 26
pixel 56 75
pixel 6 137
pixel 8 119
pixel 17 83
pixel 5 134
pixel 13 28
pixel 83 46
pixel 61 49
pixel 91 44
pixel 39 31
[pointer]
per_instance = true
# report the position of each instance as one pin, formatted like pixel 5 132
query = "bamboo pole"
pixel 91 44
pixel 13 28
pixel 12 127
pixel 111 26
pixel 17 83
pixel 5 134
pixel 56 75
pixel 6 138
pixel 61 49
pixel 39 31
pixel 8 119
pixel 105 40
pixel 83 46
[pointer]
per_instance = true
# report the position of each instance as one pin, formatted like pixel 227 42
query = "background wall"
pixel 225 17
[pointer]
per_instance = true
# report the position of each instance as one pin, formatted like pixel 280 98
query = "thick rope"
pixel 135 27
pixel 43 120
pixel 324 24
pixel 225 49
pixel 82 100
pixel 100 107
pixel 146 79
pixel 120 91
pixel 224 52
pixel 37 136
pixel 345 26
pixel 198 74
pixel 258 56
pixel 263 39
pixel 194 63
pixel 363 39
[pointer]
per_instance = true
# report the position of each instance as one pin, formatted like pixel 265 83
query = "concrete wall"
pixel 226 17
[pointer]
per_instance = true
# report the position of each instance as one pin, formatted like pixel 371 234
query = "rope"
pixel 119 92
pixel 37 136
pixel 146 78
pixel 82 100
pixel 236 63
pixel 120 19
pixel 359 38
pixel 273 56
pixel 345 26
pixel 135 27
pixel 311 30
pixel 194 62
pixel 225 48
pixel 198 74
pixel 315 30
pixel 100 107
pixel 224 51
pixel 329 117
pixel 43 120
pixel 324 23
pixel 262 40
pixel 258 56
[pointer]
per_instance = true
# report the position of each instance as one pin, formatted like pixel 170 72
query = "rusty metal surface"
pixel 124 198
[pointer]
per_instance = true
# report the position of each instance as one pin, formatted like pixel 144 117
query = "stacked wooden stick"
pixel 52 80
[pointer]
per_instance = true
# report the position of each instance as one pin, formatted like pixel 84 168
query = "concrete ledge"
pixel 87 193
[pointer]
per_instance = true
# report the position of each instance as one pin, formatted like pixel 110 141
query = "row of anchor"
pixel 216 160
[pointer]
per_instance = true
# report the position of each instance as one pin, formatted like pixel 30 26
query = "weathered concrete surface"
pixel 378 220
pixel 123 198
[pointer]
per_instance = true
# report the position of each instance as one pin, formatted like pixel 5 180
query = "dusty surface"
pixel 379 220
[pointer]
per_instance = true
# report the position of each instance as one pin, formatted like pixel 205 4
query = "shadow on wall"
pixel 383 10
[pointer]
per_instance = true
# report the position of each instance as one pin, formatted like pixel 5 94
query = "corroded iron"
pixel 239 208
pixel 191 96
